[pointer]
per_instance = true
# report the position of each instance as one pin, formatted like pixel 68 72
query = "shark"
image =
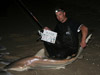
pixel 40 61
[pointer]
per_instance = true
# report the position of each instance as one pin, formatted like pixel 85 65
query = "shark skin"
pixel 40 62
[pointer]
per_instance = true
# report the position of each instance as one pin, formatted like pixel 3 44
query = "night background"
pixel 19 31
pixel 13 17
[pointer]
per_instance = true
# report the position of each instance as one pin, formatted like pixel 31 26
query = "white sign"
pixel 49 36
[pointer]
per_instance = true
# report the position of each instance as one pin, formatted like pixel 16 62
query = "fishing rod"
pixel 30 13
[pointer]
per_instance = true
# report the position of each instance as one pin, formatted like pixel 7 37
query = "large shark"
pixel 39 61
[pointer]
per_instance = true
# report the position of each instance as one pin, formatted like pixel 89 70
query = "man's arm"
pixel 84 31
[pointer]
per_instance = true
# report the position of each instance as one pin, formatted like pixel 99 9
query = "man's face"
pixel 61 16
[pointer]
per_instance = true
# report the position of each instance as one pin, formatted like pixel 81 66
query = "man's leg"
pixel 50 49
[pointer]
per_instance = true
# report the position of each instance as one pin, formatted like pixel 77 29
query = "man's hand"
pixel 46 28
pixel 83 44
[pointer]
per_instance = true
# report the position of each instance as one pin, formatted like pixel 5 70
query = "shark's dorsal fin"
pixel 40 53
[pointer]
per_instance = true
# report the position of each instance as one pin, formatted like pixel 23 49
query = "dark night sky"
pixel 4 4
pixel 12 15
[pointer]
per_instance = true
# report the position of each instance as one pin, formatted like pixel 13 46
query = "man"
pixel 67 42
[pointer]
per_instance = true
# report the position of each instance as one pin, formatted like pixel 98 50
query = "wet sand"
pixel 19 35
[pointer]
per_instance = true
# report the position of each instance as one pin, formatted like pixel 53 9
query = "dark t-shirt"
pixel 67 33
pixel 61 27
